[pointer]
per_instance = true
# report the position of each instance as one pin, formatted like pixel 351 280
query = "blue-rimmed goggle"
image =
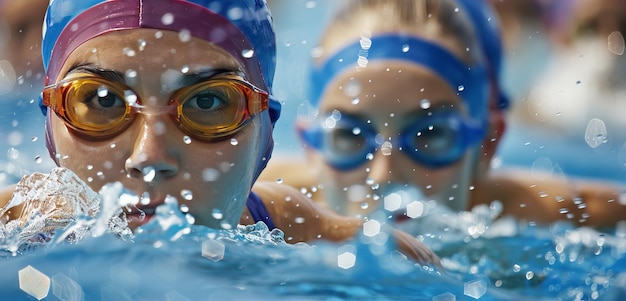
pixel 436 140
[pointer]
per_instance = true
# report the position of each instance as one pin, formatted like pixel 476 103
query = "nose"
pixel 382 166
pixel 153 156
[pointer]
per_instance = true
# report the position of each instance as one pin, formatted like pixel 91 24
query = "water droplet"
pixel 34 139
pixel 386 148
pixel 38 160
pixel 148 174
pixel 366 43
pixel 405 48
pixel 247 53
pixel 184 35
pixel 184 208
pixel 352 88
pixel 355 101
pixel 299 220
pixel 186 194
pixel 210 175
pixel 187 139
pixel 167 19
pixel 369 156
pixel 461 88
pixel 310 4
pixel 425 104
pixel 596 133
pixel 141 44
pixel 234 141
pixel 616 43
pixel 235 13
pixel 129 52
pixel 356 130
pixel 102 91
pixel 130 97
pixel 217 214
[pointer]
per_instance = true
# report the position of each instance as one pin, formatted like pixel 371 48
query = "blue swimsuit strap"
pixel 471 81
pixel 259 211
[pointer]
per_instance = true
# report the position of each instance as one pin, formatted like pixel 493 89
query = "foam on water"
pixel 86 252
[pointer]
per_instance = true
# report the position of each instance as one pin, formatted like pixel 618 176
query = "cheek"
pixel 96 163
pixel 443 179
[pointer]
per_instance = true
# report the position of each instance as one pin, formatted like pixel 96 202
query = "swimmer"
pixel 409 99
pixel 166 96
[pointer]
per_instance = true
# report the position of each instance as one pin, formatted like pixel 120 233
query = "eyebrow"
pixel 203 75
pixel 107 74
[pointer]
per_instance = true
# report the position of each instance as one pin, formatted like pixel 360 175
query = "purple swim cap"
pixel 241 27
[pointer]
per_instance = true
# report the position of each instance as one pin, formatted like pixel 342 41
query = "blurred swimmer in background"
pixel 408 101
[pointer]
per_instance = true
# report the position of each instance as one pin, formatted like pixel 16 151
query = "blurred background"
pixel 564 69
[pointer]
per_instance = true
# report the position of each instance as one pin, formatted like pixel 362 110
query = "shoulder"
pixel 547 197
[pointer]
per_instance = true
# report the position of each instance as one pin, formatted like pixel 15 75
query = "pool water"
pixel 171 259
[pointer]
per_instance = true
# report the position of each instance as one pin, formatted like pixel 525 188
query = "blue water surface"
pixel 166 261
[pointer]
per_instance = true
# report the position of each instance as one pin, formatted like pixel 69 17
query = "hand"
pixel 59 198
pixel 415 249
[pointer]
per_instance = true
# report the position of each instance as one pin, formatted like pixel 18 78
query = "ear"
pixel 497 126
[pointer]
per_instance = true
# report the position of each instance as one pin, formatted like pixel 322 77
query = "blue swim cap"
pixel 241 27
pixel 470 81
pixel 487 25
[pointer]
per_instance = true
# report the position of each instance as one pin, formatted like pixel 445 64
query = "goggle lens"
pixel 99 109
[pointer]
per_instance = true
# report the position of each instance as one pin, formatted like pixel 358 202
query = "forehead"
pixel 387 88
pixel 148 50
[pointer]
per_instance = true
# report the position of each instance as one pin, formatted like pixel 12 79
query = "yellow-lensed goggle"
pixel 98 109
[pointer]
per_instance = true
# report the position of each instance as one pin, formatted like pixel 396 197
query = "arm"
pixel 546 198
pixel 302 220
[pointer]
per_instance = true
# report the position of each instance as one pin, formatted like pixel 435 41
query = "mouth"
pixel 138 215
